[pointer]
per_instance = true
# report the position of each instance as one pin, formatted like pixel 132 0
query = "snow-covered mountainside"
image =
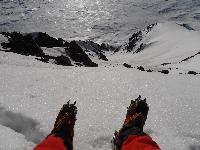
pixel 32 92
pixel 109 21
pixel 163 46
pixel 166 45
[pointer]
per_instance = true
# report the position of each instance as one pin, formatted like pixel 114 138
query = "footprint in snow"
pixel 21 124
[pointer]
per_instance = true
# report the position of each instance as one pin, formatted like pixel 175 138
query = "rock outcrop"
pixel 21 44
pixel 34 44
pixel 77 54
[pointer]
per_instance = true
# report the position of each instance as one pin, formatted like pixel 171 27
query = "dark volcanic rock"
pixel 66 44
pixel 164 64
pixel 103 57
pixel 23 45
pixel 137 37
pixel 140 48
pixel 189 57
pixel 186 26
pixel 107 47
pixel 26 45
pixel 94 49
pixel 77 54
pixel 44 40
pixel 165 71
pixel 104 46
pixel 192 72
pixel 140 68
pixel 150 27
pixel 31 43
pixel 127 65
pixel 149 70
pixel 62 60
pixel 133 40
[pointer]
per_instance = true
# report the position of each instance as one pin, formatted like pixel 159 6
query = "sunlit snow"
pixel 32 93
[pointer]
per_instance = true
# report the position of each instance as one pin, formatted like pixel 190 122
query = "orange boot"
pixel 131 135
pixel 61 137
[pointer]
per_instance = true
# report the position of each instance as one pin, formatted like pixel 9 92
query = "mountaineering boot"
pixel 133 123
pixel 64 124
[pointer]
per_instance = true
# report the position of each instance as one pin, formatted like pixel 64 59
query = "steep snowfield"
pixel 32 93
pixel 102 95
pixel 166 43
pixel 12 140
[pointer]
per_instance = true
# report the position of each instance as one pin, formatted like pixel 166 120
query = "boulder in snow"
pixel 127 65
pixel 192 72
pixel 140 68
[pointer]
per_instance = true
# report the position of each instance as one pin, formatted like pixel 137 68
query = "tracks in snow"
pixel 21 124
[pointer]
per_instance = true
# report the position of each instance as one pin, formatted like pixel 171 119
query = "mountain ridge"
pixel 160 46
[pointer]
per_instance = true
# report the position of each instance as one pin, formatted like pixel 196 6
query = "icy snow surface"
pixel 32 93
pixel 102 95
pixel 168 43
pixel 101 20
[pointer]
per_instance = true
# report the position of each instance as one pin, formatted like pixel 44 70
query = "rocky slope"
pixel 66 53
pixel 163 47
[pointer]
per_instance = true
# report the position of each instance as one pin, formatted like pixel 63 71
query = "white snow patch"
pixel 55 51
pixel 167 43
pixel 102 95
pixel 3 39
pixel 21 124
pixel 10 140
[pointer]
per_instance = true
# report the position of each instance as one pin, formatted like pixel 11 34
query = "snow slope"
pixel 167 42
pixel 32 93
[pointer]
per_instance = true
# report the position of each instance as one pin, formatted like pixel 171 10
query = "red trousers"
pixel 132 143
pixel 135 142
pixel 51 143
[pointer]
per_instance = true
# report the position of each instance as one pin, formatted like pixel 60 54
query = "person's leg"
pixel 61 137
pixel 131 135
